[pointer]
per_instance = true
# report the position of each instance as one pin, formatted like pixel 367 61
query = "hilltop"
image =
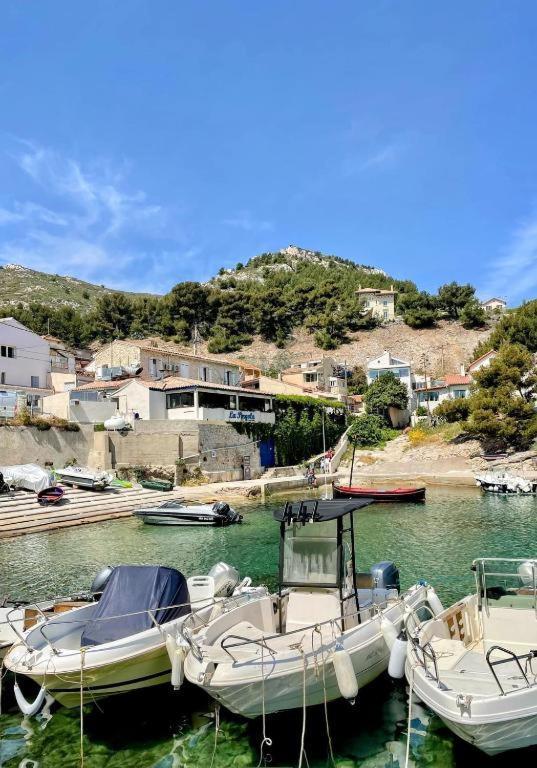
pixel 291 260
pixel 22 285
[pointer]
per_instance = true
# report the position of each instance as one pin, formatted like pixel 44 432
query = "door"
pixel 266 453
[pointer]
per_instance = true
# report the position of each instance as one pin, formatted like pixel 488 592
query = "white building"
pixel 494 305
pixel 24 367
pixel 451 387
pixel 184 399
pixel 482 362
pixel 387 363
pixel 379 302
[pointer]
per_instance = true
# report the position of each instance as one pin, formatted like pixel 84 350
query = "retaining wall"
pixel 29 445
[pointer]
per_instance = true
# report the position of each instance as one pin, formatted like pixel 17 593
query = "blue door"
pixel 266 453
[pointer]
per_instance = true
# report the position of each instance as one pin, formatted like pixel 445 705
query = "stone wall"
pixel 218 448
pixel 29 445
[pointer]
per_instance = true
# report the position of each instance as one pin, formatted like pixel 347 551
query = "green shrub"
pixel 98 427
pixel 453 410
pixel 366 430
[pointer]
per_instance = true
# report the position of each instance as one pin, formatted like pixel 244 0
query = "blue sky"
pixel 146 143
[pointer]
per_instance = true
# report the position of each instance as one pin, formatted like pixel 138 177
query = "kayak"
pixel 378 494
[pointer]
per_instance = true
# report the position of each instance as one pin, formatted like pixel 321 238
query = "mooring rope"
pixel 265 741
pixel 303 735
pixel 216 729
pixel 410 689
pixel 328 735
pixel 82 656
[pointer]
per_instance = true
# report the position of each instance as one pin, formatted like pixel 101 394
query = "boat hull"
pixel 489 725
pixel 132 673
pixel 267 683
pixel 169 520
pixel 396 495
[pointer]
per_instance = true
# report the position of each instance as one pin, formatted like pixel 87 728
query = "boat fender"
pixel 396 665
pixel 345 674
pixel 389 632
pixel 171 646
pixel 178 671
pixel 24 706
pixel 434 601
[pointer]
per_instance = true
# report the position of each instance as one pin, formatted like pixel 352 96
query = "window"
pixel 184 371
pixel 3 377
pixel 216 400
pixel 7 351
pixel 253 404
pixel 204 373
pixel 432 397
pixel 309 378
pixel 179 400
pixel 385 302
pixel 34 381
pixel 458 394
pixel 385 314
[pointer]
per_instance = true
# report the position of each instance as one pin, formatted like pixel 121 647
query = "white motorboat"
pixel 176 512
pixel 126 640
pixel 84 477
pixel 473 664
pixel 505 482
pixel 323 635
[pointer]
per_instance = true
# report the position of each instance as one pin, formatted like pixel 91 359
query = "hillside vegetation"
pixel 271 298
pixel 20 285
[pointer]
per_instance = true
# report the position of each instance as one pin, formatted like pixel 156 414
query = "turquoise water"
pixel 161 729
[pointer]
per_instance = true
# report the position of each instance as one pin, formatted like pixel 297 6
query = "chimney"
pixel 391 288
pixel 463 370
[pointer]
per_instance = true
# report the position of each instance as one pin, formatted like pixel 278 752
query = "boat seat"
pixel 448 652
pixel 200 590
pixel 307 608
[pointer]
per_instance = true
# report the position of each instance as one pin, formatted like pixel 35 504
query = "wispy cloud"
pixel 245 221
pixel 514 273
pixel 91 225
pixel 380 157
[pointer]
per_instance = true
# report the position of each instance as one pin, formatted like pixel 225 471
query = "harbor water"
pixel 436 541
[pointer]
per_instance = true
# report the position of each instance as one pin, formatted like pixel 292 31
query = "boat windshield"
pixel 506 582
pixel 310 554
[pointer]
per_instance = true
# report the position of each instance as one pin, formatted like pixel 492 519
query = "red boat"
pixel 50 495
pixel 395 494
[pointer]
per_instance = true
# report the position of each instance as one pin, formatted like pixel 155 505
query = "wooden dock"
pixel 21 514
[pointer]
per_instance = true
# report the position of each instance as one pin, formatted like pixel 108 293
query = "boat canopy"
pixel 130 593
pixel 318 510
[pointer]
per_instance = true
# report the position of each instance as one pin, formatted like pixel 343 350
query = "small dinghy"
pixel 324 634
pixel 377 494
pixel 84 477
pixel 51 495
pixel 176 512
pixel 125 641
pixel 474 664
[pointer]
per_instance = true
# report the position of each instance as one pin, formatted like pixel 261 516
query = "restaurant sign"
pixel 241 416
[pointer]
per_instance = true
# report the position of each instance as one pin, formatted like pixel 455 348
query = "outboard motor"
pixel 221 508
pixel 101 580
pixel 385 575
pixel 225 578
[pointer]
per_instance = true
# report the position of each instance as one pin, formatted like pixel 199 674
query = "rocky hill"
pixel 292 259
pixel 447 347
pixel 21 285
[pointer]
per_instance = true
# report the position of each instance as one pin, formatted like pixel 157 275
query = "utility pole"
pixel 441 348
